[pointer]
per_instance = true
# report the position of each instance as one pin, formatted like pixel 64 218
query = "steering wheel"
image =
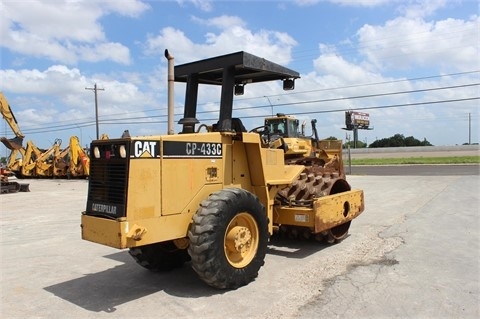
pixel 260 130
pixel 264 133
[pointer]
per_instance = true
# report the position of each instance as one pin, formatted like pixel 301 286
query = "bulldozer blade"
pixel 13 143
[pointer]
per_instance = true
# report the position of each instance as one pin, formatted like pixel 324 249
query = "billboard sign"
pixel 357 120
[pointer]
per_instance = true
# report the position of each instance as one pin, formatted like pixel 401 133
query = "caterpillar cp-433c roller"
pixel 213 198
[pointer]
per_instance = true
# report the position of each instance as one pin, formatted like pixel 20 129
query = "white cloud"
pixel 96 53
pixel 204 5
pixel 233 36
pixel 64 30
pixel 57 93
pixel 414 9
pixel 221 22
pixel 129 8
pixel 54 80
pixel 409 43
pixel 353 3
pixel 65 90
pixel 336 66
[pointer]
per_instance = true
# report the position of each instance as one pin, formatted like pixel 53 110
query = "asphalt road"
pixel 414 170
pixel 413 253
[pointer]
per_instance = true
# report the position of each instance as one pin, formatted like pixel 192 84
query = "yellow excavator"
pixel 74 163
pixel 60 162
pixel 44 165
pixel 15 145
pixel 32 153
pixel 14 163
pixel 79 162
pixel 33 162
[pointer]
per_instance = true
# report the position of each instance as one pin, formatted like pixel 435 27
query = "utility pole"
pixel 95 89
pixel 469 129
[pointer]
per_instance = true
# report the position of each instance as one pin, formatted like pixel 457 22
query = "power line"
pixel 302 92
pixel 326 111
pixel 327 100
pixel 105 121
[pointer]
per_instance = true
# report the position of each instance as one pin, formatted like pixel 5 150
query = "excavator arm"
pixel 61 162
pixel 32 153
pixel 16 142
pixel 79 160
pixel 14 163
pixel 44 164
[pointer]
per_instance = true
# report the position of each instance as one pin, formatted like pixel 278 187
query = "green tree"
pixel 398 140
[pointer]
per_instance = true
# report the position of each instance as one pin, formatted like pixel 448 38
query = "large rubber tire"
pixel 160 257
pixel 228 238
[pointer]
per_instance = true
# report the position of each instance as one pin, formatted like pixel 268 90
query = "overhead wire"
pixel 103 120
pixel 320 101
pixel 328 111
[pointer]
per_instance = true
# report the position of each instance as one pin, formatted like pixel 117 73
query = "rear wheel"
pixel 160 256
pixel 228 238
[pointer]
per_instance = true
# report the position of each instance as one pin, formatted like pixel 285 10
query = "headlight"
pixel 96 152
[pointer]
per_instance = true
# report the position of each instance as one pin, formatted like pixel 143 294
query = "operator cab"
pixel 282 126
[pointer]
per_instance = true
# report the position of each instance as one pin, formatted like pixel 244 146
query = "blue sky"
pixel 360 55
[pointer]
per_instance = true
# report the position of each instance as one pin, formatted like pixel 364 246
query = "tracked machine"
pixel 283 131
pixel 10 186
pixel 214 198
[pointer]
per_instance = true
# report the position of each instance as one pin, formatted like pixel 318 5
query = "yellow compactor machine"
pixel 214 198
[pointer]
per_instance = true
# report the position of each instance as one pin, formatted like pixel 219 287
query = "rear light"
pixel 96 152
pixel 123 151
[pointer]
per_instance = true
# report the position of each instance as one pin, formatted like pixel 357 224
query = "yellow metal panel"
pixel 327 212
pixel 334 210
pixel 251 138
pixel 240 167
pixel 124 234
pixel 255 164
pixel 294 216
pixel 103 231
pixel 183 178
pixel 160 229
pixel 143 189
pixel 228 164
pixel 267 165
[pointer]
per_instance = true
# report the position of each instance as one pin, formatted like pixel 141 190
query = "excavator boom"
pixel 16 142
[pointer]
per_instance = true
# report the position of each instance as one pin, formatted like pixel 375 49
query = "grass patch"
pixel 416 160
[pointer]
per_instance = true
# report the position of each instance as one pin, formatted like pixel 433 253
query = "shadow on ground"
pixel 106 290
